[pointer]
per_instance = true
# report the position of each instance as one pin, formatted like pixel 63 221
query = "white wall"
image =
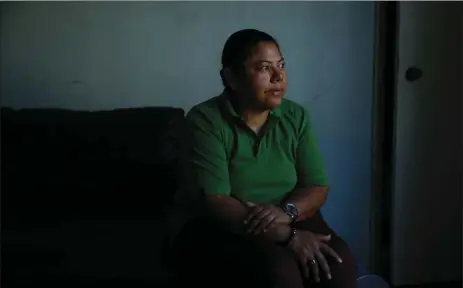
pixel 104 55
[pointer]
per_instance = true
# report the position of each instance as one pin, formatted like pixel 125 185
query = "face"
pixel 264 81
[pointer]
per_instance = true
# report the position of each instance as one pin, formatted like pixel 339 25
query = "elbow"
pixel 324 192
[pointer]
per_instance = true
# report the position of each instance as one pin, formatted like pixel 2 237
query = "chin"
pixel 269 101
pixel 274 103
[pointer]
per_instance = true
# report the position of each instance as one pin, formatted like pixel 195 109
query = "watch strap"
pixel 291 236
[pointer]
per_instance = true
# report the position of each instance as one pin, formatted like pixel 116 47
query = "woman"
pixel 254 157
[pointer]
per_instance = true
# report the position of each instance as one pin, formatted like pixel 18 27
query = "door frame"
pixel 384 103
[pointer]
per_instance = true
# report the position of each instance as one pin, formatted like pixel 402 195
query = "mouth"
pixel 275 92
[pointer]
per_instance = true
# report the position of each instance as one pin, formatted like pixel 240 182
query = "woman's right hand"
pixel 310 250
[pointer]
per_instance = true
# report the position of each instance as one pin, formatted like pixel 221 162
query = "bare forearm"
pixel 230 214
pixel 308 200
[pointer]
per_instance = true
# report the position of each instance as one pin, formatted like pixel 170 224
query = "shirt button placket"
pixel 256 148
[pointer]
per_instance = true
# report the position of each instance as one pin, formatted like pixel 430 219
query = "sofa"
pixel 86 197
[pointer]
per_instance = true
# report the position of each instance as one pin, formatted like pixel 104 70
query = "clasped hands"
pixel 309 248
pixel 261 218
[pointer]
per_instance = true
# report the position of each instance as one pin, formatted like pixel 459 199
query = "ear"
pixel 229 78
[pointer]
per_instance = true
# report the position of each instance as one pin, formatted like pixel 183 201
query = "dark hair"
pixel 239 47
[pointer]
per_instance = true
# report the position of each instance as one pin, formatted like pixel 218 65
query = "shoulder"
pixel 208 117
pixel 208 110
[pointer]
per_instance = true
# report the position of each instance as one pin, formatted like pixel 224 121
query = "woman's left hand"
pixel 261 218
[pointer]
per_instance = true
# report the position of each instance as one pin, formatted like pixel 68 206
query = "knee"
pixel 278 268
pixel 343 274
pixel 280 261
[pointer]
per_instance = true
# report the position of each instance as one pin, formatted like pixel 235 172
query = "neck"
pixel 254 118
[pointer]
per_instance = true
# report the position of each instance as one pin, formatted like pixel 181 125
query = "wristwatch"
pixel 291 210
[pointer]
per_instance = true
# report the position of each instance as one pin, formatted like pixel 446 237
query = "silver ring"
pixel 313 262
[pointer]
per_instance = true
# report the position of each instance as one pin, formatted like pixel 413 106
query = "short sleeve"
pixel 309 161
pixel 206 157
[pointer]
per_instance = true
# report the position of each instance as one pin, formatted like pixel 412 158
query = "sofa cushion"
pixel 87 191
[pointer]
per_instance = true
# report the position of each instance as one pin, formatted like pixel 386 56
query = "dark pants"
pixel 212 258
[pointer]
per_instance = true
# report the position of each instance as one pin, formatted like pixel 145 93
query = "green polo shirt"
pixel 228 158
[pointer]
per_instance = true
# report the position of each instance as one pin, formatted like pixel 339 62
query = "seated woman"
pixel 254 157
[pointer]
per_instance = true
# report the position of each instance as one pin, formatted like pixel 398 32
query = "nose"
pixel 277 75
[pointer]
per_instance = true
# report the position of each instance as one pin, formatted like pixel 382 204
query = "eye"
pixel 282 65
pixel 264 68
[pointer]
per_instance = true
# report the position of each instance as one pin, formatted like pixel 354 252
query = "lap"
pixel 230 260
pixel 343 274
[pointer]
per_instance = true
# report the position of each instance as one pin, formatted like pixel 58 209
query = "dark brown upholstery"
pixel 78 179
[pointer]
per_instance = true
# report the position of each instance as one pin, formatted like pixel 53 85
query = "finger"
pixel 272 225
pixel 323 237
pixel 257 213
pixel 302 259
pixel 257 219
pixel 312 264
pixel 314 269
pixel 305 268
pixel 323 264
pixel 329 251
pixel 250 204
pixel 265 223
pixel 252 213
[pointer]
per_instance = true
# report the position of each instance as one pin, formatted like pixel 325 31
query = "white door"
pixel 427 216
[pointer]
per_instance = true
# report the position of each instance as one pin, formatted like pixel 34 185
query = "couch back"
pixel 72 160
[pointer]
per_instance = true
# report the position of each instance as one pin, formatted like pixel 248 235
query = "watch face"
pixel 291 208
